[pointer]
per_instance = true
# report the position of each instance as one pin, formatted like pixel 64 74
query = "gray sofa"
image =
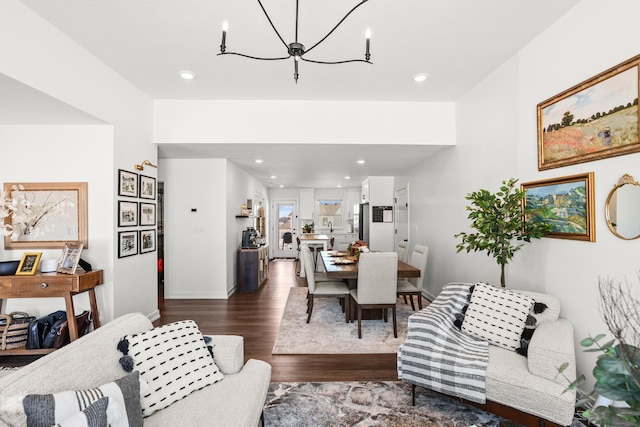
pixel 529 384
pixel 237 400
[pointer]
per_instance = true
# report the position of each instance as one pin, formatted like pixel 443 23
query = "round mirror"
pixel 622 209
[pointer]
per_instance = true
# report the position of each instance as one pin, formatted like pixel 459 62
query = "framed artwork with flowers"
pixel 44 215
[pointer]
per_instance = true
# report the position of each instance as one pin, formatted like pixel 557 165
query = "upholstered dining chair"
pixel 403 251
pixel 322 289
pixel 377 286
pixel 413 285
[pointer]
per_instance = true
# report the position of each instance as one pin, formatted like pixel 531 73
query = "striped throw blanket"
pixel 438 356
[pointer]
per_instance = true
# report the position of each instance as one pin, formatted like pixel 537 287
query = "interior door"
pixel 284 226
pixel 402 216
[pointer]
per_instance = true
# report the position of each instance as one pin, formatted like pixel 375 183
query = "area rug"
pixel 372 403
pixel 327 332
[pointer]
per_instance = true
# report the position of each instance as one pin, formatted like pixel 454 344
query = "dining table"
pixel 338 266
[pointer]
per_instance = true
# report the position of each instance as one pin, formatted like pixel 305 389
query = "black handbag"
pixel 39 328
pixel 58 335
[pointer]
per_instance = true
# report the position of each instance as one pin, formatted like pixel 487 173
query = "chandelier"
pixel 297 49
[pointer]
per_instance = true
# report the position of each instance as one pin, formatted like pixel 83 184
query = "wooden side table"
pixel 53 285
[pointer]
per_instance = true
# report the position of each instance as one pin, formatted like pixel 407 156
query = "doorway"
pixel 284 229
pixel 402 216
pixel 160 222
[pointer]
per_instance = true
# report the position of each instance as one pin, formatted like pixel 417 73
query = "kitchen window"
pixel 330 213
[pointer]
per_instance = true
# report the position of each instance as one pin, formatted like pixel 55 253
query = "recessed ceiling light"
pixel 339 186
pixel 273 177
pixel 187 75
pixel 347 177
pixel 361 162
pixel 259 160
pixel 419 78
pixel 281 186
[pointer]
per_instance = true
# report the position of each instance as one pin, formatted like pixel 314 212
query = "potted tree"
pixel 499 221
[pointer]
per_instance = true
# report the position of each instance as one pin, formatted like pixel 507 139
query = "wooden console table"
pixel 53 285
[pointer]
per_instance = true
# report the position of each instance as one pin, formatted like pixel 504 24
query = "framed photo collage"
pixel 136 214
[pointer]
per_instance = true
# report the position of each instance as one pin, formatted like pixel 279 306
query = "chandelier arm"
pixel 273 26
pixel 334 28
pixel 336 62
pixel 253 57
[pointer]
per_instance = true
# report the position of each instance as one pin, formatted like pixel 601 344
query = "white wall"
pixel 315 122
pixel 45 146
pixel 195 242
pixel 497 140
pixel 200 246
pixel 37 54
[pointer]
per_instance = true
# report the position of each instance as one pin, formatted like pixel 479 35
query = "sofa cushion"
pixel 497 315
pixel 36 410
pixel 94 415
pixel 173 361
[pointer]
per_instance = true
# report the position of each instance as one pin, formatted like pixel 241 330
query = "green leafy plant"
pixel 617 370
pixel 499 219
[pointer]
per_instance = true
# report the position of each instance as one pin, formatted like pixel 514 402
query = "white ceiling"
pixel 457 42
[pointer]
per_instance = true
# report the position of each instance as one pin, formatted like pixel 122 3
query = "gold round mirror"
pixel 622 209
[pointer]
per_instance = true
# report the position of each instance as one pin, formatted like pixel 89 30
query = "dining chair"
pixel 402 250
pixel 413 285
pixel 287 238
pixel 322 289
pixel 377 286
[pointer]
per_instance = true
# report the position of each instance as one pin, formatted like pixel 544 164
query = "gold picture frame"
pixel 69 222
pixel 70 257
pixel 29 264
pixel 593 120
pixel 566 203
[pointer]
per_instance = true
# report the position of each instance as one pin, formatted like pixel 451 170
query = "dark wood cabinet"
pixel 253 268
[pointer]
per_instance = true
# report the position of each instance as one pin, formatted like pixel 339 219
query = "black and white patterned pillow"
pixel 173 361
pixel 45 410
pixel 497 315
pixel 530 327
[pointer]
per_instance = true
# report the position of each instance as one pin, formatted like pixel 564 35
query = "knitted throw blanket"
pixel 438 356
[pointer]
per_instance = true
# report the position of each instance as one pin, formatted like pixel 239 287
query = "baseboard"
pixel 155 315
pixel 195 295
pixel 428 296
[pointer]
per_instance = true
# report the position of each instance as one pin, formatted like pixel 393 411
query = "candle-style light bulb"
pixel 225 27
pixel 367 34
pixel 296 58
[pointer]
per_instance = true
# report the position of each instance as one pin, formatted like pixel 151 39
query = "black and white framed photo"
pixel 127 243
pixel 127 183
pixel 147 213
pixel 147 187
pixel 127 214
pixel 147 241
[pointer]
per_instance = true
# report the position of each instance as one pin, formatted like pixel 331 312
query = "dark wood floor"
pixel 256 316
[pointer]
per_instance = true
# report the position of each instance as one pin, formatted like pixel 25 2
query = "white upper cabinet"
pixel 307 203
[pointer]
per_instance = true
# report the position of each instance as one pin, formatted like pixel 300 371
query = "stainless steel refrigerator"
pixel 364 222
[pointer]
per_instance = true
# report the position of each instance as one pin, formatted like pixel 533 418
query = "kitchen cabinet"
pixel 364 192
pixel 342 241
pixel 307 204
pixel 252 268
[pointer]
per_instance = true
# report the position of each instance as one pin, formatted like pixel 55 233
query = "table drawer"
pixel 43 285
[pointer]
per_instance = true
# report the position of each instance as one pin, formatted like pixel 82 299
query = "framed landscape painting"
pixel 593 120
pixel 565 203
